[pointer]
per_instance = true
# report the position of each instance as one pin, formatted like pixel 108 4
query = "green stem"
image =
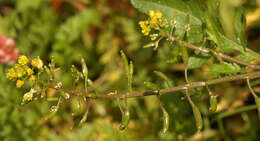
pixel 233 112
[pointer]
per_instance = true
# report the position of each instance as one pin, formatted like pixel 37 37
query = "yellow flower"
pixel 20 71
pixel 151 13
pixel 23 60
pixel 158 15
pixel 11 74
pixel 29 71
pixel 37 63
pixel 145 27
pixel 154 22
pixel 19 83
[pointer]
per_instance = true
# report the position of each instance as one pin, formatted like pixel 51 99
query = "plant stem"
pixel 251 75
pixel 233 112
pixel 204 50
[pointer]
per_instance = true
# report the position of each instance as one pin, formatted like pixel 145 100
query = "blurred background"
pixel 97 30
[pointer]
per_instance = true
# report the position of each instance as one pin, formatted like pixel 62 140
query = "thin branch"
pixel 250 88
pixel 251 75
pixel 204 50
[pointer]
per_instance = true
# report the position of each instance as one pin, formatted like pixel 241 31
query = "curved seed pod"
pixel 165 117
pixel 125 120
pixel 85 116
pixel 84 68
pixel 163 76
pixel 166 122
pixel 198 118
pixel 152 44
pixel 213 103
pixel 257 101
pixel 196 113
pixel 85 72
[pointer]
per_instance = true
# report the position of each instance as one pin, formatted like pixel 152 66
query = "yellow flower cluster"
pixel 156 21
pixel 37 63
pixel 23 70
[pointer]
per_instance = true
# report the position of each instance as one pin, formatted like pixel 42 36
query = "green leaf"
pixel 181 9
pixel 224 69
pixel 217 35
pixel 197 61
pixel 240 26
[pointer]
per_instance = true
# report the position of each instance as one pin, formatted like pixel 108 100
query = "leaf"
pixel 240 26
pixel 217 35
pixel 180 8
pixel 224 69
pixel 197 61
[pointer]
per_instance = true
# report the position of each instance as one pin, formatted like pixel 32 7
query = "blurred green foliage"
pixel 96 31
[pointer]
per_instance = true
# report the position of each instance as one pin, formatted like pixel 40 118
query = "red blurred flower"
pixel 8 54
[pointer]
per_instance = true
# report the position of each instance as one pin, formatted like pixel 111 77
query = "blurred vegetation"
pixel 97 31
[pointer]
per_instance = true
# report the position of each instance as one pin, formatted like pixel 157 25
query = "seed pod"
pixel 149 45
pixel 125 60
pixel 130 77
pixel 185 56
pixel 257 101
pixel 165 121
pixel 163 76
pixel 78 106
pixel 85 72
pixel 198 118
pixel 52 65
pixel 48 71
pixel 125 120
pixel 84 68
pixel 213 103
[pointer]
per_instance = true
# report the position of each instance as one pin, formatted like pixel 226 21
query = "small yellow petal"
pixel 23 60
pixel 151 13
pixel 19 83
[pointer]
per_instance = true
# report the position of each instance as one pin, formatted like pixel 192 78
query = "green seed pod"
pixel 85 72
pixel 130 77
pixel 185 56
pixel 163 76
pixel 125 120
pixel 213 103
pixel 84 68
pixel 77 106
pixel 149 45
pixel 198 118
pixel 125 60
pixel 52 65
pixel 48 71
pixel 257 101
pixel 165 121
